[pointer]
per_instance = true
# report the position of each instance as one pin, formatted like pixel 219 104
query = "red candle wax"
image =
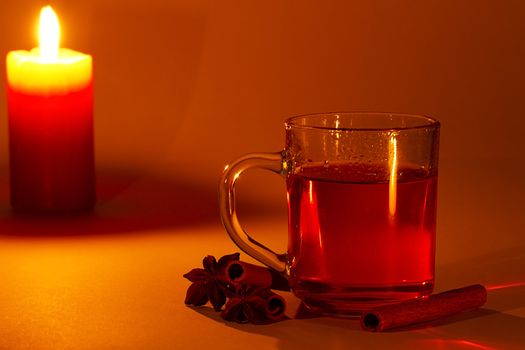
pixel 50 108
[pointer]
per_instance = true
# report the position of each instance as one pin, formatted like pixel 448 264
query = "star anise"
pixel 209 283
pixel 250 304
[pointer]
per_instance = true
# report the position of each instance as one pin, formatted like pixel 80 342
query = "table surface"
pixel 113 280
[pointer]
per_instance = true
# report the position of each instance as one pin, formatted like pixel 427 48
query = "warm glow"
pixel 311 191
pixel 459 344
pixel 48 69
pixel 309 221
pixel 49 34
pixel 506 285
pixel 392 162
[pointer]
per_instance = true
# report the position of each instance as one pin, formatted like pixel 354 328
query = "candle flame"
pixel 49 34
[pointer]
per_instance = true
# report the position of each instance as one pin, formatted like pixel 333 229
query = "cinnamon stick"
pixel 239 272
pixel 436 306
pixel 276 307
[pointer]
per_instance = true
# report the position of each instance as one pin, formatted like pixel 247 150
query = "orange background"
pixel 183 87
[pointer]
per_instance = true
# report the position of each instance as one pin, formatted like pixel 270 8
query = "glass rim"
pixel 426 121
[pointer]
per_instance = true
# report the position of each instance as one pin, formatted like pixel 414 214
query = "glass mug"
pixel 362 196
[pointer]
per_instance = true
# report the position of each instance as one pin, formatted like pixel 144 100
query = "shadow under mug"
pixel 362 197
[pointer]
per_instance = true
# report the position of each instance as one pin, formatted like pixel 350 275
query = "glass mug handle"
pixel 270 161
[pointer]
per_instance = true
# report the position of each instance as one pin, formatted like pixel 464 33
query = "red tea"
pixel 360 236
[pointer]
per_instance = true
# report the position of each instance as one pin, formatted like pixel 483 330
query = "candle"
pixel 50 108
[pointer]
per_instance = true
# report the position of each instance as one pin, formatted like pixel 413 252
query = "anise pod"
pixel 208 283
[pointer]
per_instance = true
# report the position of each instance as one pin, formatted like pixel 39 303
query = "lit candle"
pixel 50 106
